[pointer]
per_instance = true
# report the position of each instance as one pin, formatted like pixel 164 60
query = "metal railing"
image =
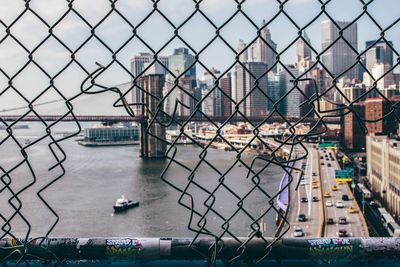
pixel 137 251
pixel 23 248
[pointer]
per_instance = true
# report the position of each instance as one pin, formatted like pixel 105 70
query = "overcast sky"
pixel 156 32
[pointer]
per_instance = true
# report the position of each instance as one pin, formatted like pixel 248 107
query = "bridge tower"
pixel 150 146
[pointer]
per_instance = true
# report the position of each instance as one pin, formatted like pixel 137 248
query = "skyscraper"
pixel 138 62
pixel 233 88
pixel 181 62
pixel 377 108
pixel 303 49
pixel 240 87
pixel 320 77
pixel 383 70
pixel 244 53
pixel 353 92
pixel 290 106
pixel 211 105
pixel 380 73
pixel 138 65
pixel 378 53
pixel 225 101
pixel 273 89
pixel 339 57
pixel 260 51
pixel 304 54
pixel 253 79
pixel 353 132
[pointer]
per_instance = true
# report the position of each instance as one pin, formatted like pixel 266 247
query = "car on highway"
pixel 314 174
pixel 328 203
pixel 373 204
pixel 322 163
pixel 298 232
pixel 345 197
pixel 330 221
pixel 334 188
pixel 321 157
pixel 314 186
pixel 342 233
pixel 329 165
pixel 339 204
pixel 342 220
pixel 315 199
pixel 302 217
pixel 326 194
pixel 314 180
pixel 351 210
pixel 303 200
pixel 303 182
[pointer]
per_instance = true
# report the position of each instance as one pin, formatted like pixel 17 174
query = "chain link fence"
pixel 55 44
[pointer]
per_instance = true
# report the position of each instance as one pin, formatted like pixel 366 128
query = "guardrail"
pixel 137 251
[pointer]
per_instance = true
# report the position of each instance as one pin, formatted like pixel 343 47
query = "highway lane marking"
pixel 298 192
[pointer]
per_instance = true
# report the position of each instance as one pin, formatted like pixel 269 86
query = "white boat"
pixel 123 204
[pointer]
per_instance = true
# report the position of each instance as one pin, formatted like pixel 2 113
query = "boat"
pixel 123 204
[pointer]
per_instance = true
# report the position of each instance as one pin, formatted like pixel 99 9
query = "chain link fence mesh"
pixel 46 30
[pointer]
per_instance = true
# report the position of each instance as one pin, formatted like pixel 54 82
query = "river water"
pixel 96 176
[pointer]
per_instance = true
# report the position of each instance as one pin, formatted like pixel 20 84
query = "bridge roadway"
pixel 176 118
pixel 312 209
pixel 356 226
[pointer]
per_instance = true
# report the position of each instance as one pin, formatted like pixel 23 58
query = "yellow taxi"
pixel 326 194
pixel 351 210
pixel 334 188
pixel 314 186
pixel 314 180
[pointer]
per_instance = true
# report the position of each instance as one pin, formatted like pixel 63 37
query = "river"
pixel 96 176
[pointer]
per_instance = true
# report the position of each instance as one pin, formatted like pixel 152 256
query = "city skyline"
pixel 254 73
pixel 299 155
pixel 73 31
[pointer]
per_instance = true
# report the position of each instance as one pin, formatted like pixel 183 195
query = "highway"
pixel 312 209
pixel 355 226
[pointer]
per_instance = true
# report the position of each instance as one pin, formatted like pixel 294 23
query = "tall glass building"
pixel 340 56
pixel 378 52
pixel 180 64
pixel 138 65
